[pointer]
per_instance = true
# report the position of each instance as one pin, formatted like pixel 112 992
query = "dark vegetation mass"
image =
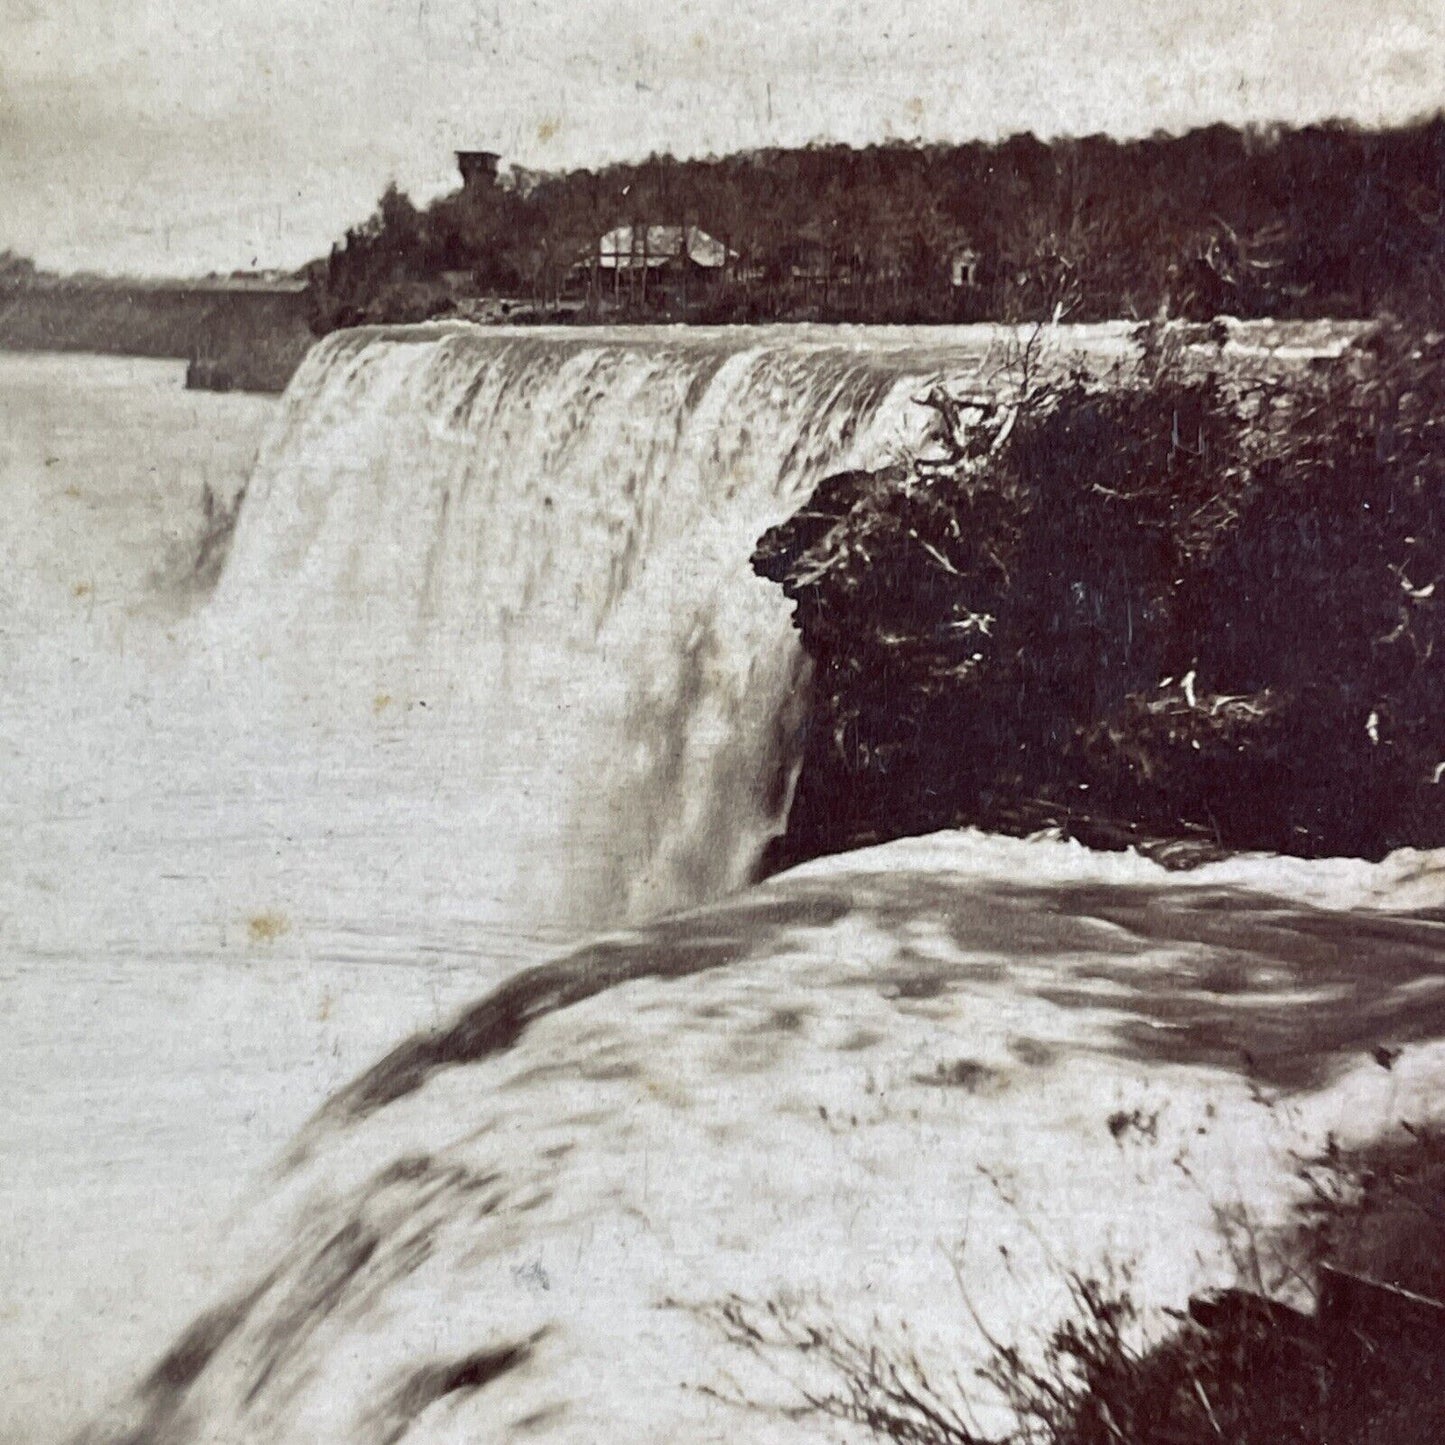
pixel 1175 602
pixel 1362 1364
pixel 1328 220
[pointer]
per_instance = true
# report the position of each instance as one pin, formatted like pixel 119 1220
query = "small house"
pixel 661 262
pixel 963 264
pixel 661 248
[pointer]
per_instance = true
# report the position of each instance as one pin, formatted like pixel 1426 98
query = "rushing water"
pixel 487 670
pixel 533 550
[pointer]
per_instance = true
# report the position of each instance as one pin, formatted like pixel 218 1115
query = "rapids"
pixel 901 1094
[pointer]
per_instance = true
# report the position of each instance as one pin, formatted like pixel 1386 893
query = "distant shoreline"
pixel 233 336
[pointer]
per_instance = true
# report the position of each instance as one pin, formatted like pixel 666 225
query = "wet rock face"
pixel 1179 604
pixel 822 1091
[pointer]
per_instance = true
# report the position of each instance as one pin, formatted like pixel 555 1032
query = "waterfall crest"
pixel 536 544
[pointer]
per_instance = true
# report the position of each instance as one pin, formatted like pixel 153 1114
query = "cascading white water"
pixel 487 660
pixel 488 655
pixel 526 555
pixel 487 668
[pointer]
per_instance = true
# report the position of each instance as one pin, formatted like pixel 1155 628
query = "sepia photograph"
pixel 720 725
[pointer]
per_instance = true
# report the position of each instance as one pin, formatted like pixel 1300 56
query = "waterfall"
pixel 525 553
pixel 488 630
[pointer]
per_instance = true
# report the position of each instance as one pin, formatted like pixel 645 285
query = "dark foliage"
pixel 1175 603
pixel 1257 1374
pixel 1246 1369
pixel 1325 220
pixel 1380 1210
pixel 1366 1367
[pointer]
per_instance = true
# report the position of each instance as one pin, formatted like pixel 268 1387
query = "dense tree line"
pixel 1325 220
pixel 16 270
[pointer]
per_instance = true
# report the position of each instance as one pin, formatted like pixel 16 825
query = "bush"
pixel 1175 603
pixel 1238 1367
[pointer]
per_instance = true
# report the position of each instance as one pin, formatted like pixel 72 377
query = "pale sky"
pixel 175 136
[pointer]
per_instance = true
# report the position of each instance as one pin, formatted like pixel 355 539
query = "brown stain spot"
pixel 82 589
pixel 324 1012
pixel 1136 1121
pixel 548 127
pixel 381 702
pixel 668 1093
pixel 267 927
pixel 914 109
pixel 72 491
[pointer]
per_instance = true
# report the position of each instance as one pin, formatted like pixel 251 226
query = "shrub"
pixel 1238 1367
pixel 1177 602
